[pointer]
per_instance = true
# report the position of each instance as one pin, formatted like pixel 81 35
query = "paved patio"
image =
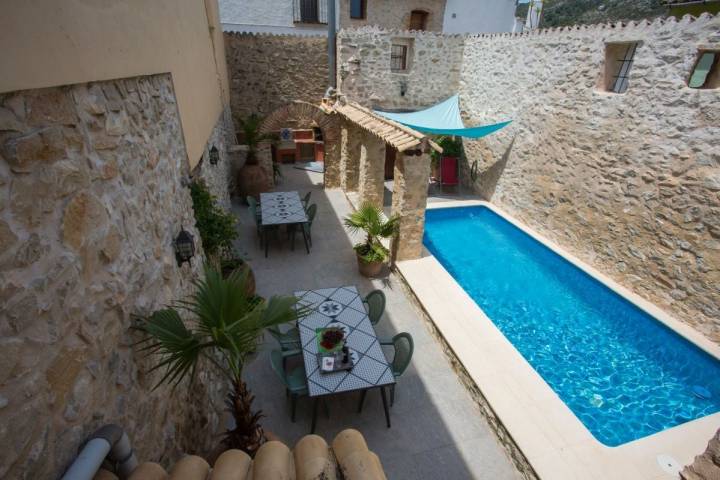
pixel 437 431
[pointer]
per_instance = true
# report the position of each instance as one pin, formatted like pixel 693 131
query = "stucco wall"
pixel 269 71
pixel 394 14
pixel 479 16
pixel 627 182
pixel 364 68
pixel 74 41
pixel 91 199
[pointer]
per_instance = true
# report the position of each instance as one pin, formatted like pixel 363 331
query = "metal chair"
pixel 375 304
pixel 289 340
pixel 311 211
pixel 404 347
pixel 306 199
pixel 294 381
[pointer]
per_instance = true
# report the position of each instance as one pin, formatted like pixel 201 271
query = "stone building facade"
pixel 92 194
pixel 269 71
pixel 627 182
pixel 394 15
pixel 364 67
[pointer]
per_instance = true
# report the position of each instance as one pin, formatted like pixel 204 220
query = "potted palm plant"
pixel 224 328
pixel 253 179
pixel 371 254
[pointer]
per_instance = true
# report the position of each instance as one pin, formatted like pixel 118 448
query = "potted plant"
pixel 224 328
pixel 253 179
pixel 217 233
pixel 371 254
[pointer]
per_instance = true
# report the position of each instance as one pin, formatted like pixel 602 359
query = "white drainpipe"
pixel 109 441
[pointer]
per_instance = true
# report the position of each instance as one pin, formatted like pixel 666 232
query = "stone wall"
pixel 364 68
pixel 707 465
pixel 394 14
pixel 629 183
pixel 269 71
pixel 91 198
pixel 219 177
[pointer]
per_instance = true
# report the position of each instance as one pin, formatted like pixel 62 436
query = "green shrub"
pixel 216 226
pixel 452 147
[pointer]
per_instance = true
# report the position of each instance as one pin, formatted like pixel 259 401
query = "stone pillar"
pixel 372 169
pixel 331 137
pixel 408 202
pixel 350 140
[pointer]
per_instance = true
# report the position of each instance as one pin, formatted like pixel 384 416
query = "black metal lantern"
pixel 214 156
pixel 184 247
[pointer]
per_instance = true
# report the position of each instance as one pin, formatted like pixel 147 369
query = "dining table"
pixel 341 307
pixel 282 208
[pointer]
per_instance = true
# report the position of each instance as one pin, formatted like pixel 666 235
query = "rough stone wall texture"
pixel 350 137
pixel 371 178
pixel 219 177
pixel 629 183
pixel 269 71
pixel 394 14
pixel 90 202
pixel 707 465
pixel 408 202
pixel 364 68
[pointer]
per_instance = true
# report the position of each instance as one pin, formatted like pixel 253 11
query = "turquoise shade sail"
pixel 442 119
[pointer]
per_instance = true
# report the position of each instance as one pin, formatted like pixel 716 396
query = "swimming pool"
pixel 623 373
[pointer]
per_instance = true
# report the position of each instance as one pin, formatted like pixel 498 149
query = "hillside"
pixel 571 12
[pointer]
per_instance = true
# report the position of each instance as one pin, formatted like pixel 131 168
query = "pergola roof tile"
pixel 398 135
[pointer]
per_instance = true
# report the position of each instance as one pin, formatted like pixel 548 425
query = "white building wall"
pixel 274 16
pixel 479 16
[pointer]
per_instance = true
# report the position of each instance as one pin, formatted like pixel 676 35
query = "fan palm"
pixel 252 136
pixel 225 328
pixel 370 219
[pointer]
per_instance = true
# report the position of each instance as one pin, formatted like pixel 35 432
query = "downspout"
pixel 332 30
pixel 109 441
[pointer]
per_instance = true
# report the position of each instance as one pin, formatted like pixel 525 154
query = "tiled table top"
pixel 282 207
pixel 343 306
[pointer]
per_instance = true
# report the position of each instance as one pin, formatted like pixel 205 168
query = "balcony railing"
pixel 310 11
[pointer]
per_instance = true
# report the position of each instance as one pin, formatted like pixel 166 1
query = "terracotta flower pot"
pixel 253 180
pixel 250 286
pixel 369 269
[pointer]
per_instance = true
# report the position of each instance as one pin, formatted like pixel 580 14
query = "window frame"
pixel 404 57
pixel 619 60
pixel 363 10
pixel 713 75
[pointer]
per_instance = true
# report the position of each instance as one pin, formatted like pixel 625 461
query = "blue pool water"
pixel 623 373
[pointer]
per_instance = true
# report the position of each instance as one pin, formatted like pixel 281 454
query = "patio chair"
pixel 289 340
pixel 375 304
pixel 294 381
pixel 311 211
pixel 404 347
pixel 306 199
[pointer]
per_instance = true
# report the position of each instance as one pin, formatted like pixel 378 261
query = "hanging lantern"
pixel 184 247
pixel 214 156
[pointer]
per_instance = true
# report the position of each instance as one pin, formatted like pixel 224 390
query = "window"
pixel 618 61
pixel 706 73
pixel 398 58
pixel 418 20
pixel 310 11
pixel 357 9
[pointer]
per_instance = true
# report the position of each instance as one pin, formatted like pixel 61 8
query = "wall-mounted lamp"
pixel 184 247
pixel 214 156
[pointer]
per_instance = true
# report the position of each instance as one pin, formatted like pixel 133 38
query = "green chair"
pixel 375 304
pixel 294 381
pixel 289 340
pixel 404 347
pixel 311 211
pixel 306 199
